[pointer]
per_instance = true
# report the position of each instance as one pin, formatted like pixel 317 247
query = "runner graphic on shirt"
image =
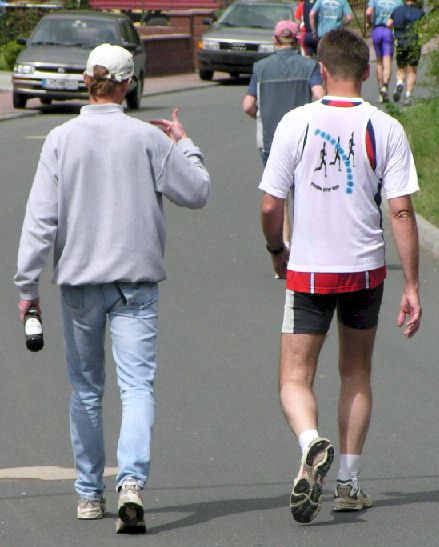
pixel 351 149
pixel 337 157
pixel 323 155
pixel 342 156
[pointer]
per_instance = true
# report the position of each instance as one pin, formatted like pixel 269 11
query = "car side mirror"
pixel 21 41
pixel 208 21
pixel 130 46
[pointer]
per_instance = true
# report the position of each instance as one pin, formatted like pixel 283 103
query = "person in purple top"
pixel 408 49
pixel 378 13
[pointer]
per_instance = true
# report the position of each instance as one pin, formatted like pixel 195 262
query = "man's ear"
pixel 86 78
pixel 323 71
pixel 366 74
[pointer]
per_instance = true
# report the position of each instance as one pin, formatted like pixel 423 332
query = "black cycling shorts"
pixel 407 55
pixel 312 313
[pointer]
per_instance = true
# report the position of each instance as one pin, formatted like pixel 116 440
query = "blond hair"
pixel 100 86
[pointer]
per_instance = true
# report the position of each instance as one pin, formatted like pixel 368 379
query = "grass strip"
pixel 421 123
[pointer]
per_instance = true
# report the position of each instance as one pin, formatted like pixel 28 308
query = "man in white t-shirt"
pixel 337 257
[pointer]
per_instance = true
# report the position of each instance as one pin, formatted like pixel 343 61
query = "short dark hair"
pixel 344 54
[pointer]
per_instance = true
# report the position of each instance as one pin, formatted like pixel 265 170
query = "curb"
pixel 24 113
pixel 428 235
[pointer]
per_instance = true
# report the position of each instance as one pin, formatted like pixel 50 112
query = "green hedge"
pixel 8 54
pixel 420 124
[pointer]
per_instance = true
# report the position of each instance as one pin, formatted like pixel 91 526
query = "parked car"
pixel 242 36
pixel 54 59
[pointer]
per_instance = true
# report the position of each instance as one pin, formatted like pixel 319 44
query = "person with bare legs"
pixel 337 260
pixel 377 13
pixel 408 49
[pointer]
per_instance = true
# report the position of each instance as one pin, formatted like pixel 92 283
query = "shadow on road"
pixel 206 511
pixel 230 82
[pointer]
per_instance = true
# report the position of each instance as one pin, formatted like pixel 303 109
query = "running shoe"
pixel 397 92
pixel 130 509
pixel 409 101
pixel 384 97
pixel 306 496
pixel 91 509
pixel 350 497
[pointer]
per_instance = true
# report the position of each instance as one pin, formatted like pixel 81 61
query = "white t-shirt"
pixel 338 154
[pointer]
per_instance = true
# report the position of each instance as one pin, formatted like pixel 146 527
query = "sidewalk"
pixel 153 86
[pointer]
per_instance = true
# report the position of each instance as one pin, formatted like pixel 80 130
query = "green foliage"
pixel 8 54
pixel 393 110
pixel 420 123
pixel 429 35
pixel 17 22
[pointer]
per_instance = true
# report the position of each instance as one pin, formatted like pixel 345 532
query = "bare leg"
pixel 412 72
pixel 379 69
pixel 355 404
pixel 400 74
pixel 386 69
pixel 298 364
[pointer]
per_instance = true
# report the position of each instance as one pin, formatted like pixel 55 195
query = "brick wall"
pixel 168 54
pixel 172 49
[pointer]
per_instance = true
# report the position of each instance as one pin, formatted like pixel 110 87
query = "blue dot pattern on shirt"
pixel 349 176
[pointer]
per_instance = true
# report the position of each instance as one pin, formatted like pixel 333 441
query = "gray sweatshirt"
pixel 97 199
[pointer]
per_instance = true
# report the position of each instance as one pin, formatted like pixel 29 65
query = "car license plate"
pixel 59 83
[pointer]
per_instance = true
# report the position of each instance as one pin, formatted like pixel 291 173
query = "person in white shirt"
pixel 337 258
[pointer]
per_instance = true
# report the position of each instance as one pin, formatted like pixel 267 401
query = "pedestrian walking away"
pixel 96 199
pixel 331 14
pixel 408 49
pixel 337 259
pixel 307 41
pixel 378 13
pixel 280 83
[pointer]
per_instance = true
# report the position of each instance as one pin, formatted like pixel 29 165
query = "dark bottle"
pixel 33 330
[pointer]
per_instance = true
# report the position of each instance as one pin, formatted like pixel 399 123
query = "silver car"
pixel 242 36
pixel 53 62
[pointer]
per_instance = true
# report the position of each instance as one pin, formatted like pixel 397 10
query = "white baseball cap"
pixel 116 59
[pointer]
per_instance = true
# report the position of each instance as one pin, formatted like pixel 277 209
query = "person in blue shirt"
pixel 408 49
pixel 378 13
pixel 332 14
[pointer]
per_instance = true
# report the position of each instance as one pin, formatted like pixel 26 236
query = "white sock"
pixel 306 437
pixel 399 82
pixel 407 94
pixel 349 467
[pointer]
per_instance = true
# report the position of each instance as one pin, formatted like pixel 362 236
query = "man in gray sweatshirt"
pixel 97 200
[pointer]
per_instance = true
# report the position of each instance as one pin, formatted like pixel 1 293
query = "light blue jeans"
pixel 131 309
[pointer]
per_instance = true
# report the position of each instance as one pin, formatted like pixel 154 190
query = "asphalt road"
pixel 223 458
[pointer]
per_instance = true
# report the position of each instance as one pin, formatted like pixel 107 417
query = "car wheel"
pixel 19 100
pixel 206 74
pixel 234 74
pixel 45 100
pixel 134 97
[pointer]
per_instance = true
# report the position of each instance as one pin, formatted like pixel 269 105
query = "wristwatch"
pixel 275 251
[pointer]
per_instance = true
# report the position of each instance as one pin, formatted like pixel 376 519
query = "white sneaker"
pixel 306 497
pixel 130 509
pixel 91 509
pixel 350 497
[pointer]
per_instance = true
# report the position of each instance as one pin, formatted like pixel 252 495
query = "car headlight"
pixel 24 69
pixel 210 44
pixel 266 48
